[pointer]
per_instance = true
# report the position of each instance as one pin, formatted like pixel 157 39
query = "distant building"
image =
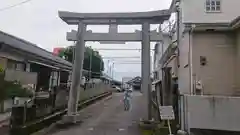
pixel 135 83
pixel 124 82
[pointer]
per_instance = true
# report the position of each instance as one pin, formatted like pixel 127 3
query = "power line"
pixel 120 49
pixel 14 5
pixel 127 63
pixel 121 57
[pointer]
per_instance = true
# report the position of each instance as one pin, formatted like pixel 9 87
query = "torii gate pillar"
pixel 145 70
pixel 76 75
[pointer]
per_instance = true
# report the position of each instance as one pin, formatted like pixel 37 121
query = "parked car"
pixel 117 88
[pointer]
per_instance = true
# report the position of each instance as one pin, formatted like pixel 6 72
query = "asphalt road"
pixel 108 117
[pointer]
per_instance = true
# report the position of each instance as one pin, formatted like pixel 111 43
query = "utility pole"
pixel 100 70
pixel 109 68
pixel 73 51
pixel 113 70
pixel 90 66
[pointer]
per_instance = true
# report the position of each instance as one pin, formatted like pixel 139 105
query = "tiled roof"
pixel 28 47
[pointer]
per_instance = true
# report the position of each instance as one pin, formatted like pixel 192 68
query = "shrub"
pixel 14 89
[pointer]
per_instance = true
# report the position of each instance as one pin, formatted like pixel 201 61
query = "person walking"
pixel 83 83
pixel 127 98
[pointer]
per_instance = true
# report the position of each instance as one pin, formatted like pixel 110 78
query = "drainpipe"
pixel 178 33
pixel 190 58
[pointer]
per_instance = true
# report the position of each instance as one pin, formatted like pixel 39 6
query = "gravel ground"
pixel 107 118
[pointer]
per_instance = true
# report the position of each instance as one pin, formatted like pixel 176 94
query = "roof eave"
pixel 204 26
pixel 235 23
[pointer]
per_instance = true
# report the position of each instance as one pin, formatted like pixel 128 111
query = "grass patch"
pixel 161 131
pixel 147 132
pixel 154 129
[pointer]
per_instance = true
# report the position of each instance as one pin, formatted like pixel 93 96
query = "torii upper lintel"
pixel 152 17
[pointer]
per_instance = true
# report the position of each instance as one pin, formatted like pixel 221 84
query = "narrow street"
pixel 108 118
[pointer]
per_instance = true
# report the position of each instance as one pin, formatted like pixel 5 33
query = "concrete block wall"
pixel 212 112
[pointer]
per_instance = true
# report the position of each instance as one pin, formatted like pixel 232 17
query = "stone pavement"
pixel 108 118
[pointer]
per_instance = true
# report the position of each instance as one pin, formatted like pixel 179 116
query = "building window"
pixel 14 65
pixel 54 79
pixel 19 66
pixel 11 65
pixel 213 5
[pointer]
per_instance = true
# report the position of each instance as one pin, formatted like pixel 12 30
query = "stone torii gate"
pixel 112 19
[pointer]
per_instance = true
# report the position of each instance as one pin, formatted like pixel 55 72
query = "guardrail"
pixel 39 124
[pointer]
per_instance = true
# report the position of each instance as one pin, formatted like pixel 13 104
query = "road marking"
pixel 121 129
pixel 90 129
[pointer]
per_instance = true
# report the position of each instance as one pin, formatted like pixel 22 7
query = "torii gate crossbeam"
pixel 115 36
pixel 83 19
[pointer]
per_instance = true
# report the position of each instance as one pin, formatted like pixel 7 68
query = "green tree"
pixel 97 61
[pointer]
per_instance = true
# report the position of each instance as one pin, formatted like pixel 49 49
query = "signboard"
pixel 166 113
pixel 56 51
pixel 42 94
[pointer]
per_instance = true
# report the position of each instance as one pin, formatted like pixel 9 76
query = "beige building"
pixel 208 74
pixel 208 63
pixel 208 33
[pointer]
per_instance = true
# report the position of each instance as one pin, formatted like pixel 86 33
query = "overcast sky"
pixel 37 21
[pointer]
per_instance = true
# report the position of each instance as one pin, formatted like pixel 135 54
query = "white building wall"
pixel 183 73
pixel 218 76
pixel 194 11
pixel 238 60
pixel 208 112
